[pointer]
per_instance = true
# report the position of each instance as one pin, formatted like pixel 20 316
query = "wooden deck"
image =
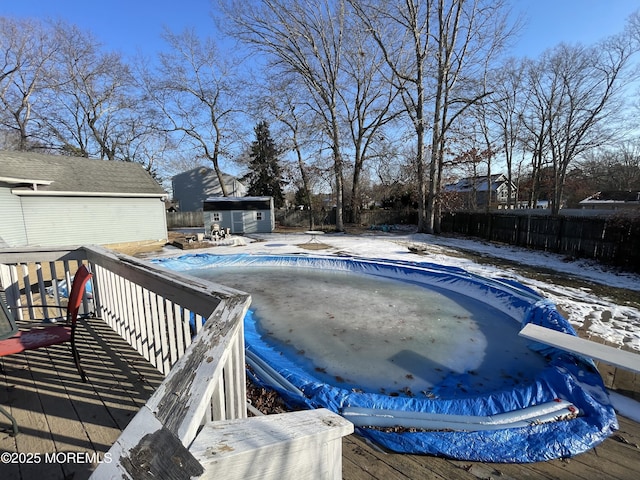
pixel 59 414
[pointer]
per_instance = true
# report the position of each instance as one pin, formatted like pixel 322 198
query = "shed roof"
pixel 611 196
pixel 238 203
pixel 30 171
pixel 239 199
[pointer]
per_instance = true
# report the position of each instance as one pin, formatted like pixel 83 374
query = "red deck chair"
pixel 46 335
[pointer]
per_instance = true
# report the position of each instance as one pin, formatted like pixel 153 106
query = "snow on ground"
pixel 616 323
pixel 606 319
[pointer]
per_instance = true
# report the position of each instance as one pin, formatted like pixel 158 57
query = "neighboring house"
pixel 49 200
pixel 473 192
pixel 611 200
pixel 240 214
pixel 192 188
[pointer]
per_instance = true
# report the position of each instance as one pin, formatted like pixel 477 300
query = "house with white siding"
pixel 50 200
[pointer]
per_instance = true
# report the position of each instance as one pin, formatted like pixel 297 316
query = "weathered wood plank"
pixel 41 254
pixel 75 417
pixel 56 378
pixel 300 445
pixel 196 374
pixel 492 470
pixel 607 372
pixel 377 463
pixel 137 453
pixel 628 434
pixel 117 363
pixel 195 294
pixel 7 441
pixel 580 346
pixel 567 469
pixel 613 457
pixel 627 383
pixel 34 436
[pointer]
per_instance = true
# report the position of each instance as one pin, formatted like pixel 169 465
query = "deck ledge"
pixel 614 356
pixel 304 444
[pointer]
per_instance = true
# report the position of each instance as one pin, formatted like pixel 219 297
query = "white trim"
pixel 43 193
pixel 614 356
pixel 25 180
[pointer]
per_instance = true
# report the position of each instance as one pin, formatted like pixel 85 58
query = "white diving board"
pixel 587 348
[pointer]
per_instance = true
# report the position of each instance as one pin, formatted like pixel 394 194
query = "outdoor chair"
pixel 45 335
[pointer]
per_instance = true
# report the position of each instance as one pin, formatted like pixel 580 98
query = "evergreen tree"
pixel 265 174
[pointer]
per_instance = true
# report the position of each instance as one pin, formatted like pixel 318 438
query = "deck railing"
pixel 156 311
pixel 160 313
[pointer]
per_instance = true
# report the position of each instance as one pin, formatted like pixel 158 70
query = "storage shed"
pixel 51 200
pixel 240 214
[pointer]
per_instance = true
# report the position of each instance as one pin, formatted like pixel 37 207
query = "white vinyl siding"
pixel 93 220
pixel 12 231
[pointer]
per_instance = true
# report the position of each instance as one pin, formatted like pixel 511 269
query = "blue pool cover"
pixel 489 427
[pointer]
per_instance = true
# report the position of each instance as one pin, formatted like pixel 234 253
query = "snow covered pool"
pixel 433 350
pixel 383 335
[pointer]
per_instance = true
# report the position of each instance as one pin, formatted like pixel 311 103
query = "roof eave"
pixel 25 181
pixel 49 193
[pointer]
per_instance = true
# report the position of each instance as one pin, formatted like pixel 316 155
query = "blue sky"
pixel 132 25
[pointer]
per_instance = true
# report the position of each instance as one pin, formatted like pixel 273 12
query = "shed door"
pixel 237 219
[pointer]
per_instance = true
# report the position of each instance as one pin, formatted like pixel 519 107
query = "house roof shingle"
pixel 478 184
pixel 54 173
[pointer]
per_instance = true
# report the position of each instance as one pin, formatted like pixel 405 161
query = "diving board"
pixel 587 348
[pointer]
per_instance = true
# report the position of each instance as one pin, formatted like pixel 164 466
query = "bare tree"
pixel 575 89
pixel 504 109
pixel 535 126
pixel 28 50
pixel 368 101
pixel 11 44
pixel 304 39
pixel 90 106
pixel 290 110
pixel 612 168
pixel 196 90
pixel 433 48
pixel 403 32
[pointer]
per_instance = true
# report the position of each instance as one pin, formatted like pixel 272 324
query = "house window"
pixel 258 216
pixel 216 216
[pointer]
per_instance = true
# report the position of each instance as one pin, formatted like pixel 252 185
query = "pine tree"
pixel 265 175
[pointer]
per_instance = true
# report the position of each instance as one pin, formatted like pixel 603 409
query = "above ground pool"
pixel 421 358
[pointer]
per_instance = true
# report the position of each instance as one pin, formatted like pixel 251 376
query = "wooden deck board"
pixel 618 457
pixel 59 413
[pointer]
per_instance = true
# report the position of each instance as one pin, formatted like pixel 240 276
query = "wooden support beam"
pixel 580 346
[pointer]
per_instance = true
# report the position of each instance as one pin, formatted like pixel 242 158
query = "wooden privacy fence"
pixel 611 240
pixel 184 219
